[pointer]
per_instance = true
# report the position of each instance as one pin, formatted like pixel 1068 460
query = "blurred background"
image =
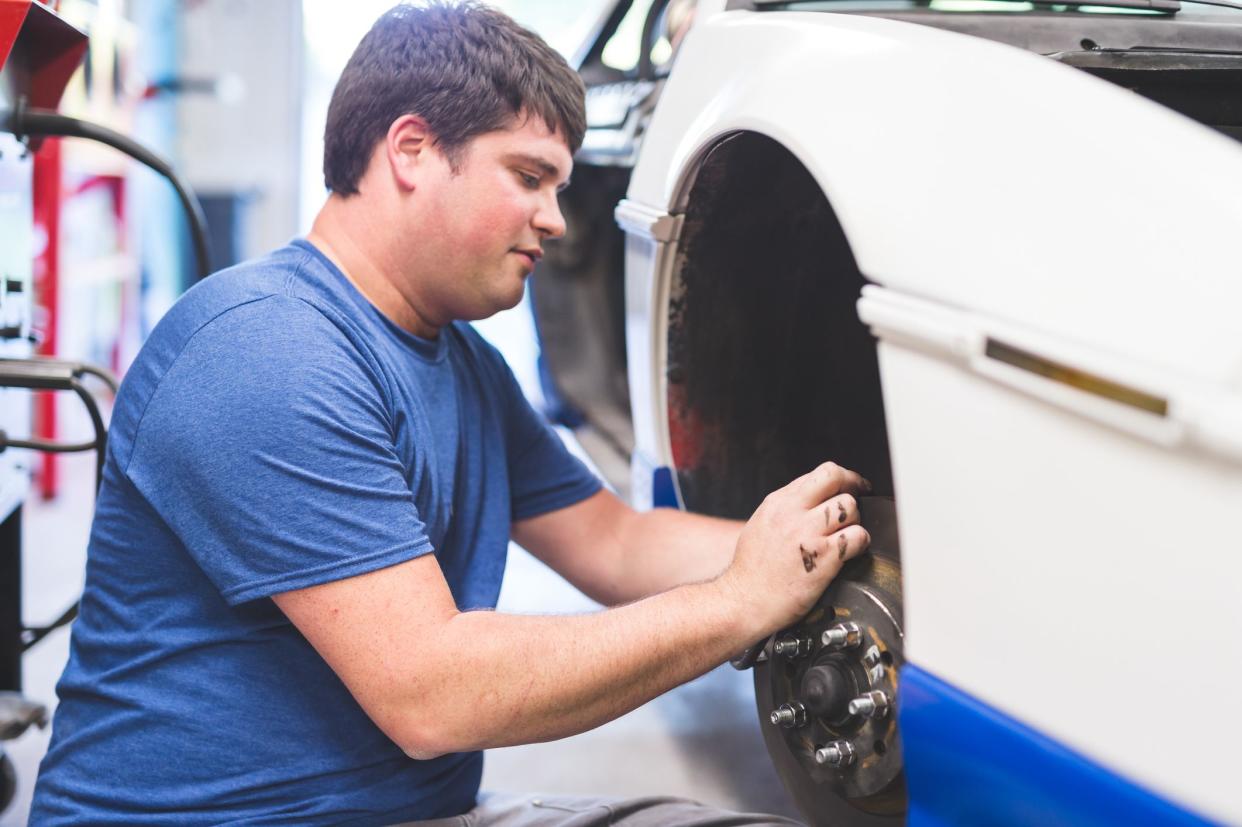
pixel 234 93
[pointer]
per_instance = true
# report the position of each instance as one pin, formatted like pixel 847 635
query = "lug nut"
pixel 836 754
pixel 842 636
pixel 870 705
pixel 789 715
pixel 791 646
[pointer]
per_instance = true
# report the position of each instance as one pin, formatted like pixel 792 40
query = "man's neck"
pixel 356 248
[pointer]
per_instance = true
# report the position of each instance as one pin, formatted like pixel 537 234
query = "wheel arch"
pixel 758 365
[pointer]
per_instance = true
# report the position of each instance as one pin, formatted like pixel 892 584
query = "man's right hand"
pixel 793 545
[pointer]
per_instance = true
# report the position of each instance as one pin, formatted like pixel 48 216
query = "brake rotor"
pixel 826 689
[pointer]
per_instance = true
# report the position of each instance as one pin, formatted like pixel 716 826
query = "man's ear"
pixel 408 147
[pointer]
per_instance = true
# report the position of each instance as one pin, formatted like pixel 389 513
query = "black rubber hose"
pixel 33 634
pixel 23 122
pixel 46 446
pixel 102 375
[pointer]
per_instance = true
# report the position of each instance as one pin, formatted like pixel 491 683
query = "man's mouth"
pixel 532 255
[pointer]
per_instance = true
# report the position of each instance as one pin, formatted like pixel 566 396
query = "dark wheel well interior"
pixel 770 371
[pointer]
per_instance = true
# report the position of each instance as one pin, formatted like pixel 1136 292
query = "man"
pixel 314 471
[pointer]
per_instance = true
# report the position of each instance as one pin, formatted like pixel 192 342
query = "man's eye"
pixel 529 180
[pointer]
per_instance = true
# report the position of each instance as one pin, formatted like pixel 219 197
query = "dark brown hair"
pixel 464 68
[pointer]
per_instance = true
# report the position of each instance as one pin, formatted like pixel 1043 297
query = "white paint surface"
pixel 981 175
pixel 1075 568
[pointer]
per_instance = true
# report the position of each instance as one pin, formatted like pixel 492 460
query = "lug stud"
pixel 836 754
pixel 791 646
pixel 842 636
pixel 789 715
pixel 870 705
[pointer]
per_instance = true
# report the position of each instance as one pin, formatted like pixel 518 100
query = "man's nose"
pixel 548 220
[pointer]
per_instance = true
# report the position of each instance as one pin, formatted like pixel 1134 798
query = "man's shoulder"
pixel 268 295
pixel 247 325
pixel 250 281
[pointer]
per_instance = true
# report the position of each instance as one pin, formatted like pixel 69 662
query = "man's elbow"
pixel 420 745
pixel 422 739
pixel 420 753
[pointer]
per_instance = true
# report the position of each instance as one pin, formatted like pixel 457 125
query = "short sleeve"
pixel 268 449
pixel 543 475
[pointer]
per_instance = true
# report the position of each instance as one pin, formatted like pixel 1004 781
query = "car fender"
pixel 992 192
pixel 962 170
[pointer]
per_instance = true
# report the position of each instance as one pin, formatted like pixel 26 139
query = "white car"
pixel 989 254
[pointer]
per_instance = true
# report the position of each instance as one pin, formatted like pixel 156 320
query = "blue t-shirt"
pixel 276 432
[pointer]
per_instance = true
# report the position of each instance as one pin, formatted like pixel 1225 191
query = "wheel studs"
pixel 791 646
pixel 870 705
pixel 789 715
pixel 842 636
pixel 836 754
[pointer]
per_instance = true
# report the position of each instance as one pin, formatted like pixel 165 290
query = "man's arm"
pixel 614 554
pixel 437 680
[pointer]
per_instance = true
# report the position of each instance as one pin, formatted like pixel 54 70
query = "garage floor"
pixel 701 740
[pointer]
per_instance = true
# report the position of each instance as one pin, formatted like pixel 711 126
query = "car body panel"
pixel 1069 559
pixel 960 196
pixel 925 208
pixel 1068 573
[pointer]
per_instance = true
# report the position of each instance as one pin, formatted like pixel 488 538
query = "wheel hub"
pixel 834 675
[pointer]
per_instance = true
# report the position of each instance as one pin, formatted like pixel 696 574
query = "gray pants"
pixel 502 810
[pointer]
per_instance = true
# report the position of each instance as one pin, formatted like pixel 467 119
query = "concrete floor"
pixel 701 740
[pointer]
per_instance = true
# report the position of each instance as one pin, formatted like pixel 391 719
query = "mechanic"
pixel 314 471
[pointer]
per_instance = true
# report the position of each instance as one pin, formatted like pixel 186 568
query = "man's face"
pixel 487 221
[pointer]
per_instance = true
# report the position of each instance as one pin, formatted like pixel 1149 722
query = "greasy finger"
pixel 835 514
pixel 827 481
pixel 849 542
pixel 832 551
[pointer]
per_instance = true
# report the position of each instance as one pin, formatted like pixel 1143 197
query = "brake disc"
pixel 826 689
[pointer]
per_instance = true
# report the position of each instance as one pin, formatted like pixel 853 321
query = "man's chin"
pixel 491 305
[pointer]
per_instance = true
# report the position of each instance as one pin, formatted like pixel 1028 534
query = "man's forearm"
pixel 664 548
pixel 438 680
pixel 514 679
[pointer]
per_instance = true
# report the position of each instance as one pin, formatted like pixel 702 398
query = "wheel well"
pixel 770 371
